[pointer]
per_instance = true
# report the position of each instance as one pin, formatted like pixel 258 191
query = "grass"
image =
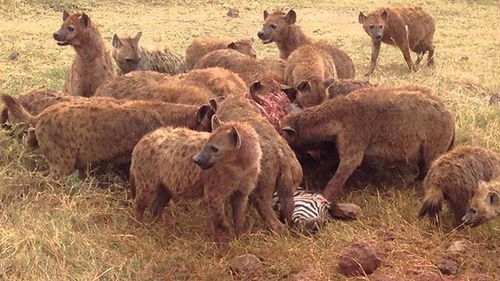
pixel 83 229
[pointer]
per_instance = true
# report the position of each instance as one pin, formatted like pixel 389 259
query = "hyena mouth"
pixel 62 43
pixel 205 166
pixel 267 41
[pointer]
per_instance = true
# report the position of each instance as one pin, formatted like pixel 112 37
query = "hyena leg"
pixel 430 56
pixel 373 61
pixel 262 198
pixel 405 49
pixel 215 207
pixel 161 200
pixel 350 159
pixel 239 203
pixel 420 57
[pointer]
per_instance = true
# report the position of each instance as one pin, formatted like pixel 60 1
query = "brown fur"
pixel 194 87
pixel 129 56
pixel 163 167
pixel 92 65
pixel 281 172
pixel 75 134
pixel 455 176
pixel 485 204
pixel 408 28
pixel 342 87
pixel 203 46
pixel 309 69
pixel 406 124
pixel 248 68
pixel 275 69
pixel 221 82
pixel 289 37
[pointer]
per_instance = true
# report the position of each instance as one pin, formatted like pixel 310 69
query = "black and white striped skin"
pixel 311 210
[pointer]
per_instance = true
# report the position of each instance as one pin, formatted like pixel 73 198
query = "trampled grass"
pixel 83 229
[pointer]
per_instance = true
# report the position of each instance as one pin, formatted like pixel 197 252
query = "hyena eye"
pixel 372 26
pixel 273 26
pixel 214 149
pixel 380 26
pixel 71 29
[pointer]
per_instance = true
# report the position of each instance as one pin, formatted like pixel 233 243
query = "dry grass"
pixel 83 230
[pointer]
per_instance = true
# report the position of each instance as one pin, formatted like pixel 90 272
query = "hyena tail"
pixel 4 116
pixel 432 202
pixel 16 111
pixel 286 189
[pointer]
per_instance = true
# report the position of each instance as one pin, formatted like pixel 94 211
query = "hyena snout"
pixel 202 161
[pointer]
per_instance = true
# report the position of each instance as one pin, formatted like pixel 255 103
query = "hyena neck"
pixel 93 46
pixel 293 39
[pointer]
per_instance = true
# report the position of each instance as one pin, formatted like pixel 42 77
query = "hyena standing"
pixel 129 56
pixel 409 28
pixel 92 64
pixel 186 164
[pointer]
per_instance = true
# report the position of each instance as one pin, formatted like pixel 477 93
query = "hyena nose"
pixel 260 34
pixel 56 35
pixel 379 36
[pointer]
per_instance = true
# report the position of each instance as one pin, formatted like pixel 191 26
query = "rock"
pixel 447 267
pixel 495 99
pixel 246 264
pixel 358 259
pixel 14 55
pixel 458 247
pixel 233 13
pixel 306 275
pixel 346 211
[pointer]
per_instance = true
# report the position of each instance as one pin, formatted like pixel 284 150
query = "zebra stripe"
pixel 310 211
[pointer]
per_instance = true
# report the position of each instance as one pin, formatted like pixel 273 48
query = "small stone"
pixel 233 13
pixel 246 264
pixel 458 247
pixel 346 211
pixel 306 275
pixel 447 267
pixel 358 259
pixel 14 55
pixel 495 99
pixel 464 58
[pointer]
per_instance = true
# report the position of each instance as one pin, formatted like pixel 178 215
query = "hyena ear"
pixel 384 15
pixel 290 17
pixel 116 42
pixel 85 20
pixel 215 122
pixel 235 137
pixel 256 87
pixel 65 15
pixel 231 45
pixel 213 104
pixel 289 133
pixel 303 86
pixel 290 92
pixel 361 18
pixel 329 81
pixel 138 36
pixel 202 113
pixel 494 198
pixel 266 14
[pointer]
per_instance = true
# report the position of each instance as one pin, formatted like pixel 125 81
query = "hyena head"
pixel 203 118
pixel 309 92
pixel 374 25
pixel 221 146
pixel 244 46
pixel 72 29
pixel 484 205
pixel 126 52
pixel 276 26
